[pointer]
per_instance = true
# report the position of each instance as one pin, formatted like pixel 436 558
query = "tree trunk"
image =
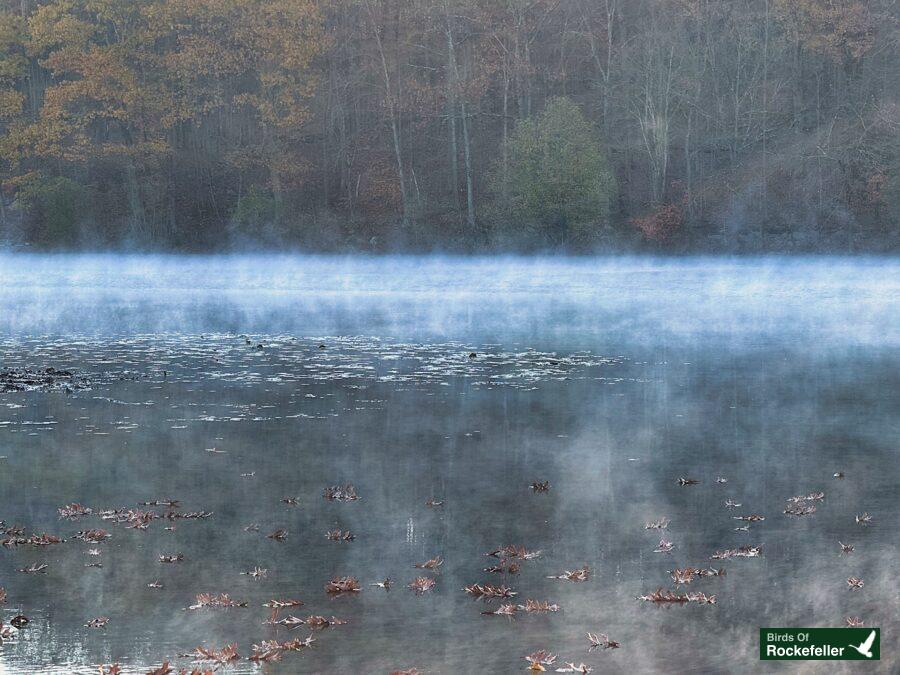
pixel 392 112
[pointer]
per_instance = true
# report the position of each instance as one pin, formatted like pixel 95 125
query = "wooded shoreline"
pixel 447 125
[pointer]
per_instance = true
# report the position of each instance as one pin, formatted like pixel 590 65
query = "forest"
pixel 451 125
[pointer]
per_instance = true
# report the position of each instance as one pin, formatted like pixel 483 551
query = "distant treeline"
pixel 739 125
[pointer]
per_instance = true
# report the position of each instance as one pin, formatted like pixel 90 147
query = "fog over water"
pixel 848 300
pixel 462 380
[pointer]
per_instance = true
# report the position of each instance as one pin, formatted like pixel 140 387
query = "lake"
pixel 693 393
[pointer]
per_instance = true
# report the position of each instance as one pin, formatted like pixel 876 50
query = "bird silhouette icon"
pixel 866 647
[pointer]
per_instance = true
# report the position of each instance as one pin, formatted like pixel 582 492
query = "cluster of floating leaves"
pixel 27 379
pixel 530 606
pixel 739 552
pixel 341 493
pixel 665 597
pixel 686 575
pixel 803 505
pixel 207 600
pixel 340 535
pixel 581 574
pixel 343 585
pixel 489 591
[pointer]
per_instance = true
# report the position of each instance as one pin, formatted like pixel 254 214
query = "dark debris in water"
pixel 46 379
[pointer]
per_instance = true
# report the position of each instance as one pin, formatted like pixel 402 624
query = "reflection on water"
pixel 611 382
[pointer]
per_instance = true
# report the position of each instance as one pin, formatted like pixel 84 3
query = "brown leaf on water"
pixel 505 567
pixel 711 572
pixel 386 584
pixel 256 573
pixel 278 535
pixel 168 503
pixel 855 583
pixel 312 621
pixel 740 552
pixel 171 558
pixel 601 641
pixel 688 481
pixel 683 576
pixel 541 486
pixel 489 592
pixel 663 596
pixel 317 621
pixel 539 606
pixel 2 595
pixel 341 493
pixel 539 659
pixel 164 669
pixel 432 564
pixel 272 650
pixel 508 609
pixel 222 656
pixel 290 501
pixel 343 585
pixel 434 503
pixel 112 669
pixel 752 518
pixel 34 540
pixel 664 546
pixel 799 509
pixel 582 574
pixel 513 551
pixel 92 536
pixel 854 622
pixel 73 511
pixel 863 519
pixel 288 621
pixel 421 585
pixel 297 644
pixel 262 653
pixel 208 600
pixel 702 598
pixel 340 535
pixel 687 574
pixel 99 622
pixel 281 604
pixel 187 515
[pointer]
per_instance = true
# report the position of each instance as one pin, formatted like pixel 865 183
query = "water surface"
pixel 461 381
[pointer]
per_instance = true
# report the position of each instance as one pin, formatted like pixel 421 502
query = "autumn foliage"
pixel 662 224
pixel 449 123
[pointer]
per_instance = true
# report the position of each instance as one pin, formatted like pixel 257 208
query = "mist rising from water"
pixel 842 300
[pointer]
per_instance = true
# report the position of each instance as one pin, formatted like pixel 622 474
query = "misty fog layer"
pixel 233 383
pixel 847 300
